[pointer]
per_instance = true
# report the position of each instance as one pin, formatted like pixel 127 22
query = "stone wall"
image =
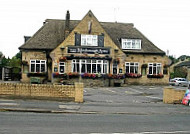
pixel 90 82
pixel 61 92
pixel 27 56
pixel 148 81
pixel 173 96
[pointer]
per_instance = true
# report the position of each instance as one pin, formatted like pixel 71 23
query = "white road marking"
pixel 9 104
pixel 166 132
pixel 69 107
pixel 110 90
pixel 5 100
pixel 158 132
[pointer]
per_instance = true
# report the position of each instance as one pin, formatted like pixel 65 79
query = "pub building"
pixel 95 53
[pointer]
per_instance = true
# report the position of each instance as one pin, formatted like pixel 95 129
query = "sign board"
pixel 89 50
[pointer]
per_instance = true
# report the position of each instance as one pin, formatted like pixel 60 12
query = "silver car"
pixel 179 82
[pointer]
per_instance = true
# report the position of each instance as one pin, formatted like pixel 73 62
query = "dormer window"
pixel 131 43
pixel 89 40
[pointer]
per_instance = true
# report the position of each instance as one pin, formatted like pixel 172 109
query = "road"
pixel 36 123
pixel 132 109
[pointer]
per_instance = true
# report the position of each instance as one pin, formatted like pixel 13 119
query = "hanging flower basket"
pixel 166 66
pixel 24 62
pixel 117 60
pixel 144 65
pixel 63 58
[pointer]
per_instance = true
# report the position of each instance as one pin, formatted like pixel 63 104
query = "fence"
pixel 63 92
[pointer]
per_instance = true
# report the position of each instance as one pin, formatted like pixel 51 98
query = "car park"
pixel 179 82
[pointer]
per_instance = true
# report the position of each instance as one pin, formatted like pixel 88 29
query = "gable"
pixel 89 27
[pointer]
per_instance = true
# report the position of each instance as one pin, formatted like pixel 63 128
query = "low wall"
pixel 89 82
pixel 173 96
pixel 62 92
pixel 148 81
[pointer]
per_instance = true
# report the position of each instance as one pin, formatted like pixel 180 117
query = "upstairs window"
pixel 131 44
pixel 89 40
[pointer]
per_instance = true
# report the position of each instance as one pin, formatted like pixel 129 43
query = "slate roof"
pixel 185 63
pixel 51 34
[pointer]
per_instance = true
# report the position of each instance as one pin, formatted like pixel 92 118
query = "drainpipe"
pixel 47 65
pixel 109 73
pixel 3 74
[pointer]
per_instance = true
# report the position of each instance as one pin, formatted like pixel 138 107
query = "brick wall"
pixel 64 92
pixel 172 96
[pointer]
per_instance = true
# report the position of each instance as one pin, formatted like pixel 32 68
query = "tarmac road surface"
pixel 44 123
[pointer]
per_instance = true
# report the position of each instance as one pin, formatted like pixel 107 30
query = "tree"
pixel 180 72
pixel 174 60
pixel 183 57
pixel 18 55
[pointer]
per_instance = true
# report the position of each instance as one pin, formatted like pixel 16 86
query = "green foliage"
pixel 174 60
pixel 183 57
pixel 4 62
pixel 172 75
pixel 179 72
pixel 14 62
pixel 18 55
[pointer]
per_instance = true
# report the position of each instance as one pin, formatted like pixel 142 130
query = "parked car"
pixel 185 84
pixel 179 82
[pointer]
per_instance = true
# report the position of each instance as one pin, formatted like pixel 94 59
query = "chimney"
pixel 26 38
pixel 67 24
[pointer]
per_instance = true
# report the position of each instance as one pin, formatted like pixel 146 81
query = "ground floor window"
pixel 131 67
pixel 115 68
pixel 154 68
pixel 61 67
pixel 37 66
pixel 90 66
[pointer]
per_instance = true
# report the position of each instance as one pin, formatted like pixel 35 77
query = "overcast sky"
pixel 164 22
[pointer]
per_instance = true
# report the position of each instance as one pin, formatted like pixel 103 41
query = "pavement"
pixel 134 100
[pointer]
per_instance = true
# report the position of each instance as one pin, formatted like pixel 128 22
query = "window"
pixel 115 68
pixel 89 40
pixel 61 67
pixel 90 66
pixel 131 67
pixel 154 68
pixel 131 44
pixel 37 66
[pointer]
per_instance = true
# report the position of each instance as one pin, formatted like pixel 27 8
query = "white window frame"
pixel 132 65
pixel 115 66
pixel 89 40
pixel 103 64
pixel 156 66
pixel 131 44
pixel 36 63
pixel 61 64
